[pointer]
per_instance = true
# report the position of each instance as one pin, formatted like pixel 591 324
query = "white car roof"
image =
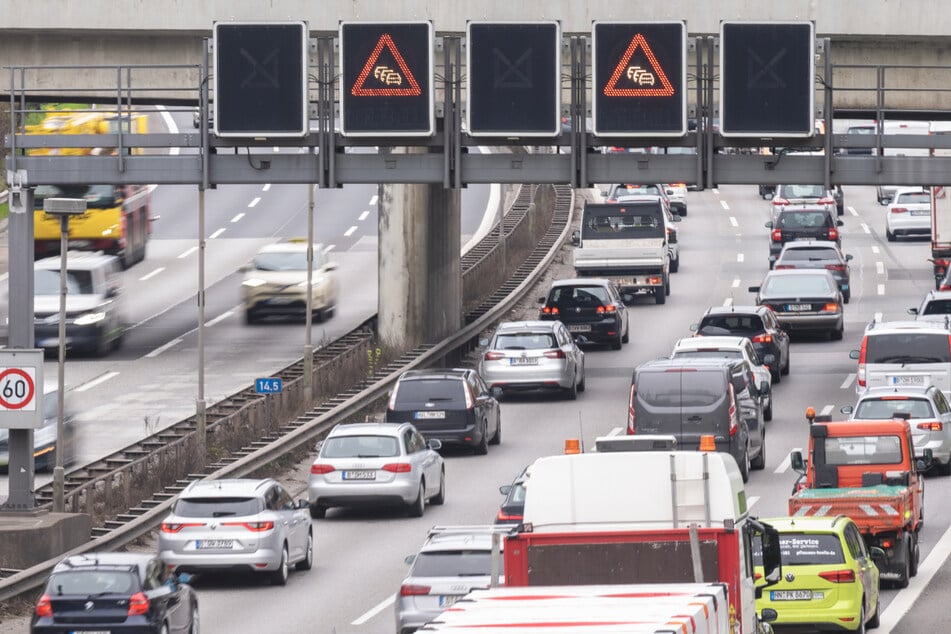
pixel 695 343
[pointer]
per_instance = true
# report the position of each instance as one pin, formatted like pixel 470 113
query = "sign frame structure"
pixel 24 366
pixel 430 73
pixel 724 130
pixel 556 127
pixel 596 88
pixel 304 127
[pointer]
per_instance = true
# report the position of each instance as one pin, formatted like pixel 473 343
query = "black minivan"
pixel 690 398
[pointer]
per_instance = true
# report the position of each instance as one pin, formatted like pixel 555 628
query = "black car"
pixel 807 222
pixel 115 592
pixel 816 254
pixel 804 300
pixel 454 406
pixel 591 308
pixel 513 507
pixel 758 324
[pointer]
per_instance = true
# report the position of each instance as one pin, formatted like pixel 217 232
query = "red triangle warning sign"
pixel 384 80
pixel 641 82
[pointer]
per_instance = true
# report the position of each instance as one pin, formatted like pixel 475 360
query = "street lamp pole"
pixel 64 208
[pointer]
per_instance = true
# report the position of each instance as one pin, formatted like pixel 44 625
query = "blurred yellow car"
pixel 829 580
pixel 275 283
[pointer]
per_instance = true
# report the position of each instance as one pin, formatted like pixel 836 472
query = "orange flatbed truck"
pixel 867 471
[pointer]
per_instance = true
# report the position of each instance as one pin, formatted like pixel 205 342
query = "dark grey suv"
pixel 808 222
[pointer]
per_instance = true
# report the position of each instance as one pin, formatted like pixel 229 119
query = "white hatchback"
pixel 908 213
pixel 904 354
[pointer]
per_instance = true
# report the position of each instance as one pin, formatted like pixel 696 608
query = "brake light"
pixel 171 527
pixel 392 404
pixel 777 235
pixel 831 307
pixel 757 576
pixel 320 469
pixel 610 308
pixel 549 310
pixel 493 356
pixel 630 410
pixel 827 201
pixel 784 266
pixel 860 376
pixel 555 354
pixel 836 267
pixel 894 398
pixel 505 517
pixel 470 402
pixel 833 233
pixel 734 426
pixel 138 604
pixel 612 200
pixel 936 426
pixel 44 607
pixel 780 202
pixel 898 210
pixel 254 527
pixel 678 184
pixel 398 467
pixel 413 591
pixel 887 543
pixel 764 338
pixel 838 576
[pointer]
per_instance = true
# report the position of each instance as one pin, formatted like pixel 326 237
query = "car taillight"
pixel 764 338
pixel 678 184
pixel 138 604
pixel 780 202
pixel 945 287
pixel 630 410
pixel 398 467
pixel 610 308
pixel 898 210
pixel 254 527
pixel 838 576
pixel 836 267
pixel 828 200
pixel 506 517
pixel 392 404
pixel 784 266
pixel 470 402
pixel 777 235
pixel 320 469
pixel 549 310
pixel 408 590
pixel 734 426
pixel 612 200
pixel 555 354
pixel 44 607
pixel 831 307
pixel 860 376
pixel 172 527
pixel 493 356
pixel 833 234
pixel 936 426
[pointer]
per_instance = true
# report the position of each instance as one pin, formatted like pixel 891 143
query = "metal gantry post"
pixel 827 111
pixel 309 302
pixel 59 473
pixel 200 415
pixel 709 111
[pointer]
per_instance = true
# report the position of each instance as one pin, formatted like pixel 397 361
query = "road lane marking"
pixel 716 191
pixel 616 431
pixel 881 289
pixel 238 217
pixel 728 301
pixel 875 249
pixel 266 187
pixel 149 276
pixel 372 200
pixel 750 501
pixel 906 598
pixel 865 228
pixel 826 410
pixel 724 205
pixel 783 466
pixel 736 282
pixel 187 252
pixel 739 257
pixel 330 248
pixel 382 605
pixel 161 349
pixel 219 318
pixel 852 211
pixel 254 203
pixel 880 268
pixel 96 381
pixel 349 232
pixel 734 222
pixel 847 383
pixel 364 215
pixel 216 233
pixel 877 317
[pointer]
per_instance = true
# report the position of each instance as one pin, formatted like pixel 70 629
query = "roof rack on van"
pixel 467 528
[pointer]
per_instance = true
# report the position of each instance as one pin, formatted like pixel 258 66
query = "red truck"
pixel 867 471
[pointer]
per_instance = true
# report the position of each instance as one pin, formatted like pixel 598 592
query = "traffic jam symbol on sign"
pixel 389 79
pixel 18 388
pixel 639 78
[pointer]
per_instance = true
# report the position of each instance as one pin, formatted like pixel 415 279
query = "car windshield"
pixel 908 347
pixel 360 447
pixel 623 222
pixel 453 563
pixel 798 285
pixel 808 254
pixel 732 323
pixel 913 198
pixel 803 220
pixel 282 261
pixel 93 582
pixel 421 390
pixel 218 507
pixel 46 282
pixel 937 307
pixel 516 495
pixel 852 450
pixel 578 296
pixel 525 341
pixel 636 190
pixel 805 549
pixel 707 354
pixel 802 191
pixel 888 407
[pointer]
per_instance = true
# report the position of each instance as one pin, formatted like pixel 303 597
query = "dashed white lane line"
pixel 852 211
pixel 716 191
pixel 847 383
pixel 163 348
pixel 149 276
pixel 736 282
pixel 217 233
pixel 330 248
pixel 724 205
pixel 363 216
pixel 254 202
pixel 349 232
pixel 267 187
pixel 875 249
pixel 750 501
pixel 783 466
pixel 880 268
pixel 733 222
pixel 96 381
pixel 866 228
pixel 728 301
pixel 740 257
pixel 379 607
pixel 616 431
pixel 826 410
pixel 187 252
pixel 373 200
pixel 219 318
pixel 238 217
pixel 881 289
pixel 877 316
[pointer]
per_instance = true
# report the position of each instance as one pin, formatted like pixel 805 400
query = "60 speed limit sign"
pixel 21 386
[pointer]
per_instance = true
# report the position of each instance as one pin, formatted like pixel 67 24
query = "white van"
pixel 903 353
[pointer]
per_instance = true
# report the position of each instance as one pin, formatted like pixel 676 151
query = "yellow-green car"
pixel 829 581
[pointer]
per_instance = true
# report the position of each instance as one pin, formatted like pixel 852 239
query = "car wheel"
pixel 667 285
pixel 659 295
pixel 249 317
pixel 776 375
pixel 571 393
pixel 683 212
pixel 318 512
pixel 617 343
pixel 418 507
pixel 118 340
pixel 889 235
pixel 626 337
pixel 846 296
pixel 483 447
pixel 194 628
pixel 914 555
pixel 497 436
pixel 905 574
pixel 581 384
pixel 785 369
pixel 760 462
pixel 943 469
pixel 675 264
pixel 440 497
pixel 768 410
pixel 279 576
pixel 875 621
pixel 308 561
pixel 861 628
pixel 745 465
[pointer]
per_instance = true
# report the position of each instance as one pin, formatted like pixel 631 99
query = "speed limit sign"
pixel 21 387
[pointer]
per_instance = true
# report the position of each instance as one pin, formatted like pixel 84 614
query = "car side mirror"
pixel 848 257
pixel 483 342
pixel 853 354
pixel 768 196
pixel 677 218
pixel 303 504
pixel 753 289
pixel 839 223
pixel 768 224
pixel 496 392
pixel 112 291
pixel 541 300
pixel 434 443
pixel 331 266
pixel 505 488
pixel 769 359
pixel 847 409
pixel 576 238
pixel 409 559
pixel 796 461
pixel 694 327
pixel 878 557
pixel 912 311
pixel 184 577
pixel 768 615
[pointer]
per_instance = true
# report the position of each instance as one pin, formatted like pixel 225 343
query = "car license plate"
pixel 447 600
pixel 795 595
pixel 579 328
pixel 910 379
pixel 523 361
pixel 359 475
pixel 795 308
pixel 280 301
pixel 90 632
pixel 920 212
pixel 203 544
pixel 430 414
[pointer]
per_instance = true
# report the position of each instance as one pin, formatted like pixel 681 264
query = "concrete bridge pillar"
pixel 420 287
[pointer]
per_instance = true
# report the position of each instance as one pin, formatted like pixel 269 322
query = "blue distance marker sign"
pixel 386 79
pixel 268 385
pixel 640 78
pixel 767 79
pixel 514 79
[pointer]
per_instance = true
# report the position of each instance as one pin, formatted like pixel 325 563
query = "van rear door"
pixel 705 407
pixel 657 402
pixel 909 358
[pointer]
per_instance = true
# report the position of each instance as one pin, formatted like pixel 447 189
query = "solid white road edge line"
pixel 170 124
pixel 96 381
pixel 163 348
pixel 369 614
pixel 906 598
pixel 221 317
pixel 149 276
pixel 847 383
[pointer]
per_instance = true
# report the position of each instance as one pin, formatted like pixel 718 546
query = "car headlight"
pixel 89 319
pixel 253 282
